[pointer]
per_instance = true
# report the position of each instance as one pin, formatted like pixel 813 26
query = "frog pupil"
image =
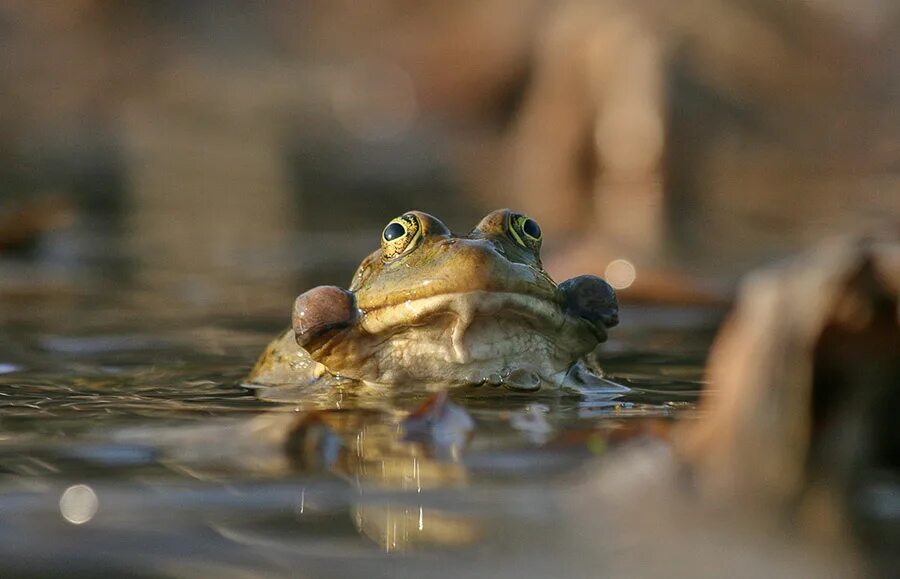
pixel 532 228
pixel 393 231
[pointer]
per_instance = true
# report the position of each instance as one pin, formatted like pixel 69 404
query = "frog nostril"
pixel 445 244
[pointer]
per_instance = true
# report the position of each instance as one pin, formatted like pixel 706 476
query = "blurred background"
pixel 174 173
pixel 214 152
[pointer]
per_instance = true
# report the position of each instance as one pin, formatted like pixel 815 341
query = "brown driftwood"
pixel 802 415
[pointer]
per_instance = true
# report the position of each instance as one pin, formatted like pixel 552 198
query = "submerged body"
pixel 433 308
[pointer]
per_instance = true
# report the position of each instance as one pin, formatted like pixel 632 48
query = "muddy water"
pixel 127 443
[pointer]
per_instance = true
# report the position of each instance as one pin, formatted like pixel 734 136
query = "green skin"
pixel 446 310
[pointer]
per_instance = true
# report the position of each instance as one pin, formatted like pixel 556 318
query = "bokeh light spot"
pixel 78 504
pixel 620 274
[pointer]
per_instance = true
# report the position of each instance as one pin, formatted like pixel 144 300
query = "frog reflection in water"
pixel 391 459
pixel 435 309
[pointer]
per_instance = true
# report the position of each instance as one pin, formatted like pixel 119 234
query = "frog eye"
pixel 400 236
pixel 525 231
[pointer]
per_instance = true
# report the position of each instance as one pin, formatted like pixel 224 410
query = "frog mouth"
pixel 464 306
pixel 458 315
pixel 584 302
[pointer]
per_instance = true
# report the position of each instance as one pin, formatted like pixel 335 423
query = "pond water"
pixel 128 445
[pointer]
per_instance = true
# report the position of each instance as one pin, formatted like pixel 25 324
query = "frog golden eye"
pixel 400 236
pixel 525 231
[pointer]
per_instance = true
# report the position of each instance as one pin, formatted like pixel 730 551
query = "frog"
pixel 434 309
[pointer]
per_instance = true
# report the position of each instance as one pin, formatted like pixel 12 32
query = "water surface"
pixel 128 444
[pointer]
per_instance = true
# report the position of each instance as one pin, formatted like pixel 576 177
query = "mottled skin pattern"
pixel 436 308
